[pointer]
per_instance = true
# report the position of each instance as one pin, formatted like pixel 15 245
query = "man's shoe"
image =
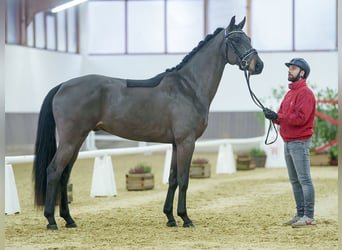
pixel 293 220
pixel 304 221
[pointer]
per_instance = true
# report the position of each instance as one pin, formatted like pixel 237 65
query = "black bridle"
pixel 242 57
pixel 243 64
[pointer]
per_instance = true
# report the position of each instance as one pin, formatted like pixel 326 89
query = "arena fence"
pixel 103 181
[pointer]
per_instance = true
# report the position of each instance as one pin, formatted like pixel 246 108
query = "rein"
pixel 261 106
pixel 244 65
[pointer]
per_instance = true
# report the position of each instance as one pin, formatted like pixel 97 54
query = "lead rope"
pixel 262 107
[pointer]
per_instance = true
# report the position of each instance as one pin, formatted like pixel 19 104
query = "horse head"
pixel 239 50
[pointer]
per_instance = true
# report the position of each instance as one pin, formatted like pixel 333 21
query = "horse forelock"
pixel 195 50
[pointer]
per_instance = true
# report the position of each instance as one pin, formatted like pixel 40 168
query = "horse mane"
pixel 194 50
pixel 154 81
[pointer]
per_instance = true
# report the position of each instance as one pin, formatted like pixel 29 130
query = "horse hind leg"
pixel 64 156
pixel 51 192
pixel 168 206
pixel 64 211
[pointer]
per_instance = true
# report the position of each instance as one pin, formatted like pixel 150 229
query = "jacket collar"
pixel 297 84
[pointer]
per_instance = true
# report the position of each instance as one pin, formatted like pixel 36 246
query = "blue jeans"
pixel 297 157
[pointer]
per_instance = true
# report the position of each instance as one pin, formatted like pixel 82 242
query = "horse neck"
pixel 204 71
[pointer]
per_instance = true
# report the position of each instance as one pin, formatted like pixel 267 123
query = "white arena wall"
pixel 30 73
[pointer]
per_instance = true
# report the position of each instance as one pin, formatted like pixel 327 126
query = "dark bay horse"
pixel 171 107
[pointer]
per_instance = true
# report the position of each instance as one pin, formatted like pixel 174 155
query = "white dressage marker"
pixel 12 205
pixel 103 182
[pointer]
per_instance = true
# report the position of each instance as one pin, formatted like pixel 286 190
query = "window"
pixel 29 35
pixel 46 30
pixel 145 26
pixel 294 25
pixel 176 26
pixel 103 18
pixel 315 26
pixel 272 24
pixel 51 32
pixel 12 21
pixel 39 30
pixel 72 30
pixel 185 22
pixel 61 31
pixel 221 11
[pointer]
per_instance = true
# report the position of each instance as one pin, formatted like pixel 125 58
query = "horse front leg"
pixel 184 155
pixel 168 206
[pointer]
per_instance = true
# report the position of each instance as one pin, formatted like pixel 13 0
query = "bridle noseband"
pixel 243 62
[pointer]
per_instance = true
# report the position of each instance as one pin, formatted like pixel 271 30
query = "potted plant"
pixel 200 168
pixel 333 156
pixel 140 178
pixel 258 157
pixel 243 161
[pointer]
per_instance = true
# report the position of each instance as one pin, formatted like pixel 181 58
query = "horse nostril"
pixel 259 66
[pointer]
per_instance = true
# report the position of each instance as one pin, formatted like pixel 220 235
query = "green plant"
pixel 257 152
pixel 325 131
pixel 333 153
pixel 141 168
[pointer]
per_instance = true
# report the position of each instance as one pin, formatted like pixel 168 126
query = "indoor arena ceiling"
pixel 34 6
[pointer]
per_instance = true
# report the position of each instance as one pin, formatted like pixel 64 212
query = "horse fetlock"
pixel 186 220
pixel 51 227
pixel 188 224
pixel 69 221
pixel 171 223
pixel 71 225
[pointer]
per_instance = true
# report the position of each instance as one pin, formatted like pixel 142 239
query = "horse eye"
pixel 237 39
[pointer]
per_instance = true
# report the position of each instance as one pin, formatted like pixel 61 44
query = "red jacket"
pixel 297 112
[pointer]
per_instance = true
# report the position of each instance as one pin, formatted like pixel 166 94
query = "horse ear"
pixel 232 23
pixel 242 23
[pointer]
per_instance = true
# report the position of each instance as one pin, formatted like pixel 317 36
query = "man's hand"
pixel 269 114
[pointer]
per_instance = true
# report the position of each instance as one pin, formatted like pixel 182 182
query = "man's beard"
pixel 294 79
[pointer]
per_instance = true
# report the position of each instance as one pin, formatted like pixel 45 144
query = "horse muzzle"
pixel 255 66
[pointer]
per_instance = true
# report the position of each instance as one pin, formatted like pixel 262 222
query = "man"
pixel 296 119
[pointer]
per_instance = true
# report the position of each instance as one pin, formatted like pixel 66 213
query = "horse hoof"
pixel 71 225
pixel 171 224
pixel 189 224
pixel 52 227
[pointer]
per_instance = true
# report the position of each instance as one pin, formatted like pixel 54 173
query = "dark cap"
pixel 301 63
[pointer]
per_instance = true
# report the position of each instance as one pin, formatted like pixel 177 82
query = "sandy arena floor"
pixel 244 210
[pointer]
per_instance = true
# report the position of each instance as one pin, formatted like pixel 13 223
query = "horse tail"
pixel 45 147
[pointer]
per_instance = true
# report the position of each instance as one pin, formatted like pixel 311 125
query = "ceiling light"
pixel 67 5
